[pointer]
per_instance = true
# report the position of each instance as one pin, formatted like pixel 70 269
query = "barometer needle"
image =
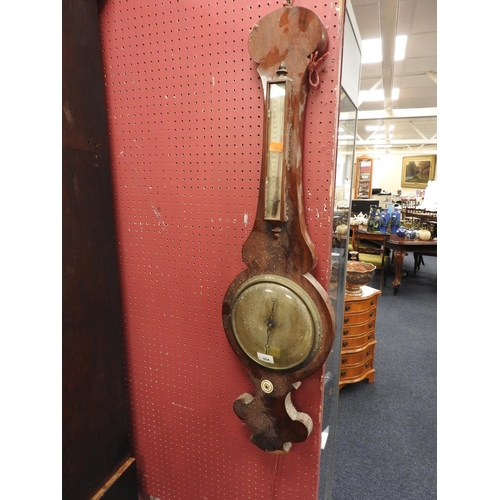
pixel 270 325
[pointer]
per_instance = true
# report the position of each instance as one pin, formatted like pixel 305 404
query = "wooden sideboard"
pixel 358 337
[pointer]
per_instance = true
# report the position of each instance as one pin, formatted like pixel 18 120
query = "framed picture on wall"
pixel 417 171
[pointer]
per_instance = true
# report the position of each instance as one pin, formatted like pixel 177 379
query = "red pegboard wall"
pixel 185 119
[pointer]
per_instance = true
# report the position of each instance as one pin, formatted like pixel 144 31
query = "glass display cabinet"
pixel 363 178
pixel 340 241
pixel 346 143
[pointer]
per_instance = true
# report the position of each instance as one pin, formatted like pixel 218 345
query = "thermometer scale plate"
pixel 276 147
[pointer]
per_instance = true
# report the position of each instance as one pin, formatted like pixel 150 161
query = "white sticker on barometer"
pixel 265 357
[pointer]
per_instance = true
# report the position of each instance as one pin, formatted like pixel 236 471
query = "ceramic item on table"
pixel 401 231
pixel 376 219
pixel 395 221
pixel 359 219
pixel 371 216
pixel 385 220
pixel 424 235
pixel 411 234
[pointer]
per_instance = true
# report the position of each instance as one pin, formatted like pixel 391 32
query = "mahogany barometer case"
pixel 277 317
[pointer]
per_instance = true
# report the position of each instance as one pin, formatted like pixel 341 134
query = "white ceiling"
pixel 414 114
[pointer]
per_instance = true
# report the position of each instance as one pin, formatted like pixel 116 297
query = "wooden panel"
pixel 95 424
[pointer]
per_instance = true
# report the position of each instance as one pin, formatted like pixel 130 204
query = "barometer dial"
pixel 275 322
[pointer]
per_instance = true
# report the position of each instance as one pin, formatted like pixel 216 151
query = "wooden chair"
pixel 419 260
pixel 407 203
pixel 371 249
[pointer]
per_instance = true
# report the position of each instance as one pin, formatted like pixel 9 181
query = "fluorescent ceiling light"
pixel 376 95
pixel 400 52
pixel 345 136
pixel 372 49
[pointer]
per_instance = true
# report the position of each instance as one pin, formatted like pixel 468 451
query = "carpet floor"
pixel 386 440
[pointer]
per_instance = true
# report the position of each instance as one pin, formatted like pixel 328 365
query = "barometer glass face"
pixel 275 322
pixel 275 147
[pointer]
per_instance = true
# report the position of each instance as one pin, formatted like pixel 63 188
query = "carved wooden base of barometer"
pixel 275 422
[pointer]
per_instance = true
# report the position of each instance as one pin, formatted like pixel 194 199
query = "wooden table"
pixel 400 246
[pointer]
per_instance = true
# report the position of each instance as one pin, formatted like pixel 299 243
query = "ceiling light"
pixel 372 49
pixel 400 51
pixel 376 95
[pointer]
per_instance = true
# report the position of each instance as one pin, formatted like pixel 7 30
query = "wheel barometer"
pixel 278 319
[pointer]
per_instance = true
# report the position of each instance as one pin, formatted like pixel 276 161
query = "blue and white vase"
pixel 411 234
pixel 401 231
pixel 385 220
